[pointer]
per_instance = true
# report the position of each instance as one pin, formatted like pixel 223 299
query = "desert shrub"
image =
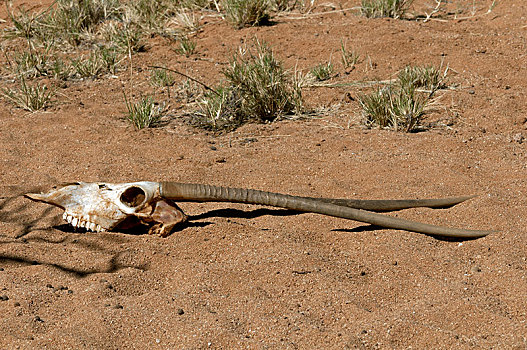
pixel 265 87
pixel 221 109
pixel 401 105
pixel 128 38
pixel 162 78
pixel 145 113
pixel 393 107
pixel 150 16
pixel 91 66
pixel 323 71
pixel 29 97
pixel 385 8
pixel 31 63
pixel 258 89
pixel 246 13
pixel 73 20
pixel 429 77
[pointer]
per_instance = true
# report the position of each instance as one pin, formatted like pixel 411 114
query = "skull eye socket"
pixel 133 196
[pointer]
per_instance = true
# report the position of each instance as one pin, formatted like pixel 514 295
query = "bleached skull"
pixel 104 206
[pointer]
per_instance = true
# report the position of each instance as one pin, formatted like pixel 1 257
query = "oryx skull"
pixel 104 206
pixel 101 206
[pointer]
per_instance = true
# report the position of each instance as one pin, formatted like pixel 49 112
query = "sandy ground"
pixel 240 276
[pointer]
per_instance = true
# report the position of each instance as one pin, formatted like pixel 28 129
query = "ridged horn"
pixel 208 193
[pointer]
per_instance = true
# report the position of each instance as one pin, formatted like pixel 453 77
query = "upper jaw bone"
pixel 99 206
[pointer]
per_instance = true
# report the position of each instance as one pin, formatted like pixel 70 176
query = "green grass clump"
pixel 385 8
pixel 402 104
pixel 247 13
pixel 187 46
pixel 258 89
pixel 151 16
pixel 76 20
pixel 221 109
pixel 349 57
pixel 31 64
pixel 266 89
pixel 145 113
pixel 24 25
pixel 30 98
pixel 323 71
pixel 429 78
pixel 392 107
pixel 98 62
pixel 162 78
pixel 128 38
pixel 89 67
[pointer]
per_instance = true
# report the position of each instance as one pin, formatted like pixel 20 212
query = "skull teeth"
pixel 80 223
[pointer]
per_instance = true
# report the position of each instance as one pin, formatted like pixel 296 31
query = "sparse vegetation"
pixel 110 57
pixel 163 79
pixel 246 13
pixel 150 16
pixel 76 21
pixel 221 110
pixel 187 46
pixel 89 67
pixel 349 57
pixel 128 38
pixel 187 21
pixel 429 78
pixel 31 64
pixel 392 107
pixel 266 89
pixel 401 105
pixel 322 71
pixel 385 8
pixel 30 98
pixel 145 113
pixel 258 89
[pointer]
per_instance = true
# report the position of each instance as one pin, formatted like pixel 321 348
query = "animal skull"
pixel 103 206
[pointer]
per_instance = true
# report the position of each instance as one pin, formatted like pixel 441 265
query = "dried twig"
pixel 188 77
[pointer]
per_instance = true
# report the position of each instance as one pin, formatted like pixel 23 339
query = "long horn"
pixel 207 193
pixel 384 205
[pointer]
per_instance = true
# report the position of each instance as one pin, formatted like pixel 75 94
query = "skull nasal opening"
pixel 133 196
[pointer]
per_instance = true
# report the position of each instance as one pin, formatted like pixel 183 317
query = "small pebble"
pixel 49 285
pixel 38 319
pixel 180 311
pixel 1 269
pixel 474 269
pixel 4 297
pixel 118 306
pixel 16 304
